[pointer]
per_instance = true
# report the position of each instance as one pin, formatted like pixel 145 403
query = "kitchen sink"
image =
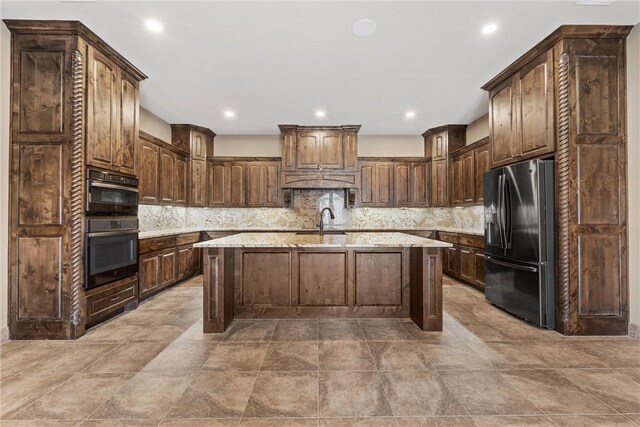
pixel 326 232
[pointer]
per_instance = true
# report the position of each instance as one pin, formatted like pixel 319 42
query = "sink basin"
pixel 326 232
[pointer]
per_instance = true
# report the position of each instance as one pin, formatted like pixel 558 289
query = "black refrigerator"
pixel 519 240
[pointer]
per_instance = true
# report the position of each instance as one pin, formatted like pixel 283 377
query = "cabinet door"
pixel 180 181
pixel 478 278
pixel 384 184
pixel 149 273
pixel 168 265
pixel 237 184
pixel 331 150
pixel 502 127
pixel 198 146
pixel 439 183
pixel 439 146
pixel 149 161
pixel 102 110
pixel 482 166
pixel 308 150
pixel 456 184
pixel 367 183
pixel 185 262
pixel 419 184
pixel 125 151
pixel 468 177
pixel 218 184
pixel 198 189
pixel 453 255
pixel 167 176
pixel 535 107
pixel 256 187
pixel 402 184
pixel 273 192
pixel 467 264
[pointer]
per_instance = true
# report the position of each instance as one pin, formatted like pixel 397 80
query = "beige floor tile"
pixel 20 357
pixel 505 355
pixel 419 394
pixel 129 357
pixel 284 394
pixel 253 331
pixel 358 422
pixel 384 330
pixel 514 421
pixel 344 356
pixel 553 393
pixel 199 422
pixel 22 389
pixel 592 421
pixel 614 388
pixel 180 357
pixel 146 395
pixel 72 358
pixel 487 393
pixel 339 330
pixel 245 356
pixel 120 423
pixel 453 355
pixel 612 353
pixel 410 356
pixel 114 332
pixel 160 333
pixel 215 394
pixel 76 398
pixel 296 330
pixel 279 422
pixel 435 421
pixel 418 335
pixel 557 354
pixel 41 423
pixel 352 394
pixel 195 333
pixel 291 356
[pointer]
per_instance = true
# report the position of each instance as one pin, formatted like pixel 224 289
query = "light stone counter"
pixel 293 240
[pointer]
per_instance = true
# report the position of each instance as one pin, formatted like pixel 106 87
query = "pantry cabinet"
pixel 439 142
pixel 197 141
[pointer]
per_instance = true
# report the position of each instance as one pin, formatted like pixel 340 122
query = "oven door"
pixel 105 198
pixel 110 256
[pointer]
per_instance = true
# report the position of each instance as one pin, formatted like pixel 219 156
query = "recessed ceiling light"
pixel 489 28
pixel 153 25
pixel 364 27
pixel 410 115
pixel 321 114
pixel 229 114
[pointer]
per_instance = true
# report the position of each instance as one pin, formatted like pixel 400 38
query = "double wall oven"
pixel 111 245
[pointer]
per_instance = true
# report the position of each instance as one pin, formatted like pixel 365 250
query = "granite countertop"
pixel 293 240
pixel 173 231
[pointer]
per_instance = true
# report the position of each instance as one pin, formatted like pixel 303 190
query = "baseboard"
pixel 4 334
pixel 634 331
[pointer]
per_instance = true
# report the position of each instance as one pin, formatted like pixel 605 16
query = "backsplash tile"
pixel 304 214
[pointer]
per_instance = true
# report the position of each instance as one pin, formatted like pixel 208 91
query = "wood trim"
pixel 470 147
pixel 562 171
pixel 450 128
pixel 394 159
pixel 562 32
pixel 163 144
pixel 28 26
pixel 77 196
pixel 244 159
pixel 286 127
pixel 197 128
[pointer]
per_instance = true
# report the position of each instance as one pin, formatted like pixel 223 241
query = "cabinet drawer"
pixel 156 244
pixel 448 237
pixel 105 301
pixel 471 240
pixel 187 239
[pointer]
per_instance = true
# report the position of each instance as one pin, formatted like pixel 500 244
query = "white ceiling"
pixel 277 62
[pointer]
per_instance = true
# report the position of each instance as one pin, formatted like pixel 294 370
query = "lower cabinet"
pixel 465 260
pixel 107 300
pixel 165 261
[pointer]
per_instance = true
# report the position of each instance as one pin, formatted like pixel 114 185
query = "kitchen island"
pixel 305 275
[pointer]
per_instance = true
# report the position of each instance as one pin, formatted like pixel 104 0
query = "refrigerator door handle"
pixel 510 265
pixel 499 213
pixel 507 213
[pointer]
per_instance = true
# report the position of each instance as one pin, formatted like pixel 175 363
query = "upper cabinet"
pixel 112 114
pixel 438 143
pixel 234 182
pixel 467 168
pixel 319 157
pixel 198 142
pixel 395 183
pixel 521 113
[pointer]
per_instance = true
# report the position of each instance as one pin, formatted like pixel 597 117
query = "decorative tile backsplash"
pixel 305 214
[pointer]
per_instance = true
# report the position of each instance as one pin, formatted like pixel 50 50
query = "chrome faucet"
pixel 321 225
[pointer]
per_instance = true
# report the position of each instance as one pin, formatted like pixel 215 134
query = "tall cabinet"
pixel 62 74
pixel 438 143
pixel 566 97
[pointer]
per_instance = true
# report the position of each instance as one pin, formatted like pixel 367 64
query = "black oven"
pixel 111 194
pixel 111 249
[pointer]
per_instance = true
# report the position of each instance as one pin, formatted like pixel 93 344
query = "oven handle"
pixel 114 186
pixel 111 233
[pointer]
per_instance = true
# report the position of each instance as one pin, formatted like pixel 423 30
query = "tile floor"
pixel 153 366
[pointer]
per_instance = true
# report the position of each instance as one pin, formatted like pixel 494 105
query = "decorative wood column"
pixel 217 270
pixel 426 288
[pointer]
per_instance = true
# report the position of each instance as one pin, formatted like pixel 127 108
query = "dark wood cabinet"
pixel 376 183
pixel 465 260
pixel 482 165
pixel 439 143
pixel 521 113
pixel 467 168
pixel 112 115
pixel 478 277
pixel 238 183
pixel 319 149
pixel 419 184
pixel 394 182
pixel 149 271
pixel 167 176
pixel 198 172
pixel 217 184
pixel 468 161
pixel 439 186
pixel 180 180
pixel 456 184
pixel 567 99
pixel 263 184
pixel 149 173
pixel 105 301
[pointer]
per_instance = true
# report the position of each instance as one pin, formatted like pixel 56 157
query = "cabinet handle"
pixel 464 252
pixel 115 299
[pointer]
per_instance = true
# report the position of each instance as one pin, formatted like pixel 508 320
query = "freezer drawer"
pixel 521 289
